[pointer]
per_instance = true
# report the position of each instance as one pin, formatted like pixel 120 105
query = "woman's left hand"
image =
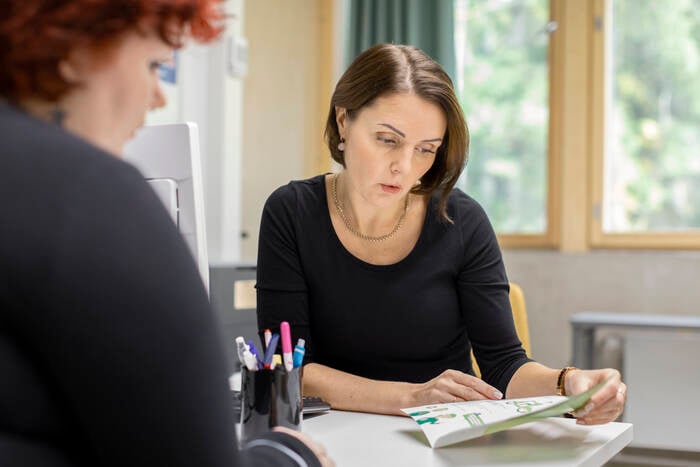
pixel 606 404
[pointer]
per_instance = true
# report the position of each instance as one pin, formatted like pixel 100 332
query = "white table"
pixel 359 439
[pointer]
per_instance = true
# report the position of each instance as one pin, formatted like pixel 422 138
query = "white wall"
pixel 281 125
pixel 557 285
pixel 223 173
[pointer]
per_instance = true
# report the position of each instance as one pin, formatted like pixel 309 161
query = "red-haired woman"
pixel 108 349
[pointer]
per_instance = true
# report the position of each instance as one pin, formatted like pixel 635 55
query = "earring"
pixel 58 115
pixel 341 145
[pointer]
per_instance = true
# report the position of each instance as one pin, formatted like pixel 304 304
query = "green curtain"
pixel 426 24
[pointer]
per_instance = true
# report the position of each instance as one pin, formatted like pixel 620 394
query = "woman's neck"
pixel 79 124
pixel 43 110
pixel 366 217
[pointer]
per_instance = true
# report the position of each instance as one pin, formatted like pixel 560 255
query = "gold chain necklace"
pixel 339 208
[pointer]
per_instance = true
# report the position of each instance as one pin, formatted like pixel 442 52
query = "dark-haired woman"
pixel 389 273
pixel 108 351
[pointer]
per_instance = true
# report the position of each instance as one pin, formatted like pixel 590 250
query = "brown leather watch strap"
pixel 561 380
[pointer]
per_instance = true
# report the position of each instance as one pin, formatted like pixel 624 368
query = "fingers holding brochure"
pixel 607 404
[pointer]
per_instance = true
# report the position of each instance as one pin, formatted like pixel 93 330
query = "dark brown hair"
pixel 388 69
pixel 36 35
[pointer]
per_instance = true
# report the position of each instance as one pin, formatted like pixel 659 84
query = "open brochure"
pixel 445 424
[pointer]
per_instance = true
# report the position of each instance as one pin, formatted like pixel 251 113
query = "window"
pixel 502 78
pixel 647 169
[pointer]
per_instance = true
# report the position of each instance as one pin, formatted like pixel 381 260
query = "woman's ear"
pixel 68 71
pixel 341 115
pixel 78 62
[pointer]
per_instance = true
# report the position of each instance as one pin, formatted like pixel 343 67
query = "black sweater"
pixel 109 355
pixel 408 321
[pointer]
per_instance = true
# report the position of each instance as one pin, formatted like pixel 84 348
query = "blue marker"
pixel 299 352
pixel 270 350
pixel 255 353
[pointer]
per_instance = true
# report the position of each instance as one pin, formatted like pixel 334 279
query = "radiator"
pixel 662 372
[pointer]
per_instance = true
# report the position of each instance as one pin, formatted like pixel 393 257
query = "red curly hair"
pixel 36 35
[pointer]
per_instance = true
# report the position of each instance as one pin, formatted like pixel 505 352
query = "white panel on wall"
pixel 662 373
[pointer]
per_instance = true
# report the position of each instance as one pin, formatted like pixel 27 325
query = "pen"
pixel 270 350
pixel 286 345
pixel 268 336
pixel 276 360
pixel 299 352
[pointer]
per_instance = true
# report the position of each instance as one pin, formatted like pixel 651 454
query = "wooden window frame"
pixel 549 239
pixel 569 133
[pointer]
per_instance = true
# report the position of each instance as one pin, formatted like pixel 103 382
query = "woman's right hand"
pixel 452 386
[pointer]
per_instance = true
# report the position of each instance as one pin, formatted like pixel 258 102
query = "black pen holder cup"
pixel 270 398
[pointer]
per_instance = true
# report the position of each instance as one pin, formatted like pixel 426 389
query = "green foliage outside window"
pixel 652 149
pixel 502 79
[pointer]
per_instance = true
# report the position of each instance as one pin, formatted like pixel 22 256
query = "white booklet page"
pixel 445 424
